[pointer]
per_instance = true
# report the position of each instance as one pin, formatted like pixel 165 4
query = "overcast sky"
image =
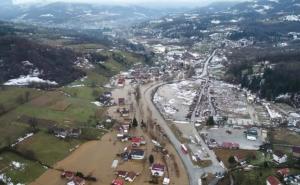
pixel 137 2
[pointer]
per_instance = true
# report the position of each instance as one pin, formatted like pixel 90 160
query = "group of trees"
pixel 135 123
pixel 56 64
pixel 281 76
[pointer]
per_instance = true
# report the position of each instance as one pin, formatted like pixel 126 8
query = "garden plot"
pixel 174 100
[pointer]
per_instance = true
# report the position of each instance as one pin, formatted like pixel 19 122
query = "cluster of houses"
pixel 286 177
pixel 72 178
pixel 64 133
pixel 284 174
pixel 157 170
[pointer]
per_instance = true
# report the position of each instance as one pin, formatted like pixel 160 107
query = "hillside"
pixel 21 57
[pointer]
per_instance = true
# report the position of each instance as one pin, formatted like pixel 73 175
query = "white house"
pixel 279 157
pixel 158 170
pixel 137 154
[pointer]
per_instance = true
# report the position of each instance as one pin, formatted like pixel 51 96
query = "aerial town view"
pixel 125 92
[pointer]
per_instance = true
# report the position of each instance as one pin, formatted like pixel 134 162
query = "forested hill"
pixel 22 57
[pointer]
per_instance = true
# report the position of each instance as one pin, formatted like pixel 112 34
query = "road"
pixel 193 171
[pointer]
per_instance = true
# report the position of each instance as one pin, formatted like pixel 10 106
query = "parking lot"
pixel 233 135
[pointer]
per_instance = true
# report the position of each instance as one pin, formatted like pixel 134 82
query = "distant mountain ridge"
pixel 260 19
pixel 79 15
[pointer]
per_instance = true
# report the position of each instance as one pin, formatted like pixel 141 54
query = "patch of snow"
pixel 140 14
pixel 26 80
pixel 97 103
pixel 215 21
pixel 83 63
pixel 17 165
pixel 294 18
pixel 283 44
pixel 295 35
pixel 22 139
pixel 233 21
pixel 47 15
pixel 27 63
pixel 79 85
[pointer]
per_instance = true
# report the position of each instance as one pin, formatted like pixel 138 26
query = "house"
pixel 251 134
pixel 121 82
pixel 107 94
pixel 279 157
pixel 283 172
pixel 121 173
pixel 293 119
pixel 124 112
pixel 296 151
pixel 166 181
pixel 292 179
pixel 68 175
pixel 121 101
pixel 117 182
pixel 74 132
pixel 125 127
pixel 137 141
pixel 158 170
pixel 78 181
pixel 239 158
pixel 137 154
pixel 60 133
pixel 271 180
pixel 105 100
pixel 130 176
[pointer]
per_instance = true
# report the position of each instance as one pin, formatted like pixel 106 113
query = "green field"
pixel 55 149
pixel 31 170
pixel 78 113
pixel 257 176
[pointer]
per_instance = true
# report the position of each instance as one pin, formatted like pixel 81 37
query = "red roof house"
pixel 117 182
pixel 158 169
pixel 271 180
pixel 130 176
pixel 136 141
pixel 283 172
pixel 68 175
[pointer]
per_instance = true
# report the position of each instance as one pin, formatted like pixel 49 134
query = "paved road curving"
pixel 194 172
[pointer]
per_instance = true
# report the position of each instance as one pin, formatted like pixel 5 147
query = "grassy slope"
pixel 55 150
pixel 28 174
